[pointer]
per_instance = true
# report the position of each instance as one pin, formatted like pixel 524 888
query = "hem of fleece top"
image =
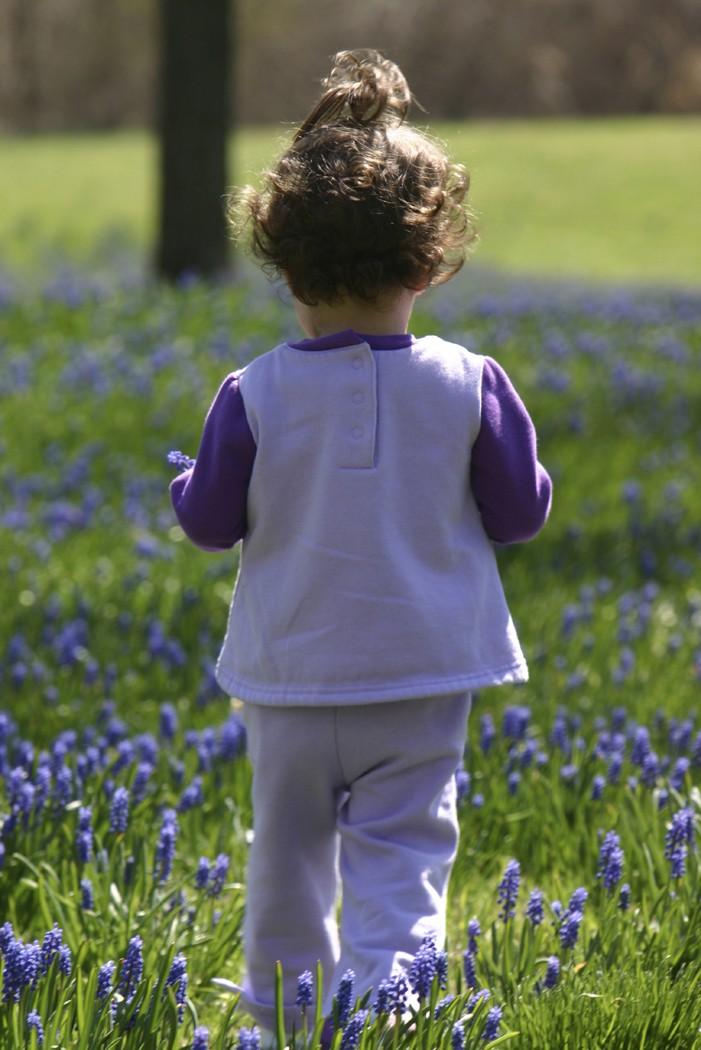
pixel 357 694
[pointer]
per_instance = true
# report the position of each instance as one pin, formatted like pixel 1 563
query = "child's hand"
pixel 179 459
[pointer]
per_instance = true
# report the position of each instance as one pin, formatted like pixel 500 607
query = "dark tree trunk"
pixel 25 69
pixel 193 121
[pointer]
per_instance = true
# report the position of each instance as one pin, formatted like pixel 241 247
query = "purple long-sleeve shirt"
pixel 513 491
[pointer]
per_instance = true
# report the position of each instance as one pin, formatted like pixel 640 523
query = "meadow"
pixel 125 821
pixel 613 199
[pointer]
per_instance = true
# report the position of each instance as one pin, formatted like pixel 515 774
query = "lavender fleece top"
pixel 513 491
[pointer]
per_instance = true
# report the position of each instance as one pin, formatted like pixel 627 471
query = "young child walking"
pixel 368 473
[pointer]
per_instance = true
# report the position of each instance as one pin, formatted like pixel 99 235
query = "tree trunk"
pixel 193 122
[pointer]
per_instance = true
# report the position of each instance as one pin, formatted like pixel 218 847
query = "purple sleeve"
pixel 209 499
pixel 512 489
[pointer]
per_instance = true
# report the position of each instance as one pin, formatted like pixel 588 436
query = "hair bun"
pixel 363 86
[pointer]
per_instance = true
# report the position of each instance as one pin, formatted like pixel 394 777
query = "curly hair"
pixel 360 202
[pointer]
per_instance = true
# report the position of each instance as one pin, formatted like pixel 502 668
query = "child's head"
pixel 360 203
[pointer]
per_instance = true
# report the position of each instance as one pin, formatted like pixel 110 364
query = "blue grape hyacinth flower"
pixel 382 999
pixel 87 900
pixel 441 1005
pixel 249 1039
pixel 491 1027
pixel 344 997
pixel 104 979
pixel 305 990
pixel 508 889
pixel 168 721
pixel 178 977
pixel 218 874
pixel 424 966
pixel 473 931
pixel 468 968
pixel 53 939
pixel 610 860
pixel 34 1021
pixel 14 971
pixel 552 973
pixel 119 810
pixel 84 835
pixel 472 1002
pixel 165 848
pixel 569 929
pixel 353 1030
pixel 132 968
pixel 577 900
pixel 200 1039
pixel 534 908
pixel 202 873
pixel 179 459
pixel 398 992
pixel 677 838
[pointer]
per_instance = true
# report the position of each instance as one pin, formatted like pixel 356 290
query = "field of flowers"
pixel 575 907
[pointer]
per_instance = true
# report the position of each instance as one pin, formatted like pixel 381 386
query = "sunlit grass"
pixel 602 199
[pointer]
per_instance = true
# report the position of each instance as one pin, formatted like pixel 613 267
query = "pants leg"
pixel 399 831
pixel 292 872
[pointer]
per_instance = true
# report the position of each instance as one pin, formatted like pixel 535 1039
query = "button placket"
pixel 357 411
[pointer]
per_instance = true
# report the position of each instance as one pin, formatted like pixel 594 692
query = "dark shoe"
pixel 327 1034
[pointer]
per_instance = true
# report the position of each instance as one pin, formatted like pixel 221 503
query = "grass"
pixel 613 199
pixel 110 614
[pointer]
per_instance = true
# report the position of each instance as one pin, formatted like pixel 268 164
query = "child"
pixel 367 473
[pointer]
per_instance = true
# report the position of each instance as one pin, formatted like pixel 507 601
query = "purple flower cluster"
pixel 104 980
pixel 428 962
pixel 491 1027
pixel 508 890
pixel 84 835
pixel 610 860
pixel 178 977
pixel 200 1039
pixel 534 908
pixel 34 1021
pixel 165 849
pixel 249 1039
pixel 552 973
pixel 180 460
pixel 353 1030
pixel 678 838
pixel 392 994
pixel 344 997
pixel 24 963
pixel 119 810
pixel 132 969
pixel 305 990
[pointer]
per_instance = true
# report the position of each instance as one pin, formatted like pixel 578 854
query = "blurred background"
pixel 578 121
pixel 73 65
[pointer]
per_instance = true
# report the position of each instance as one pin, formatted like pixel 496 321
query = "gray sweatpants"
pixel 357 798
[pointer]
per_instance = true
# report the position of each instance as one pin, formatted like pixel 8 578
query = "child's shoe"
pixel 268 1039
pixel 327 1034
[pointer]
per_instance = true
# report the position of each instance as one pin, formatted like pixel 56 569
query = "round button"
pixel 357 362
pixel 357 432
pixel 358 397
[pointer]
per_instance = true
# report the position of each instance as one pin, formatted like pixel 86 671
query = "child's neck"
pixel 389 315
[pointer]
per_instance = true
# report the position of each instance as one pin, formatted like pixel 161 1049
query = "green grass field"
pixel 111 620
pixel 611 199
pixel 110 615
